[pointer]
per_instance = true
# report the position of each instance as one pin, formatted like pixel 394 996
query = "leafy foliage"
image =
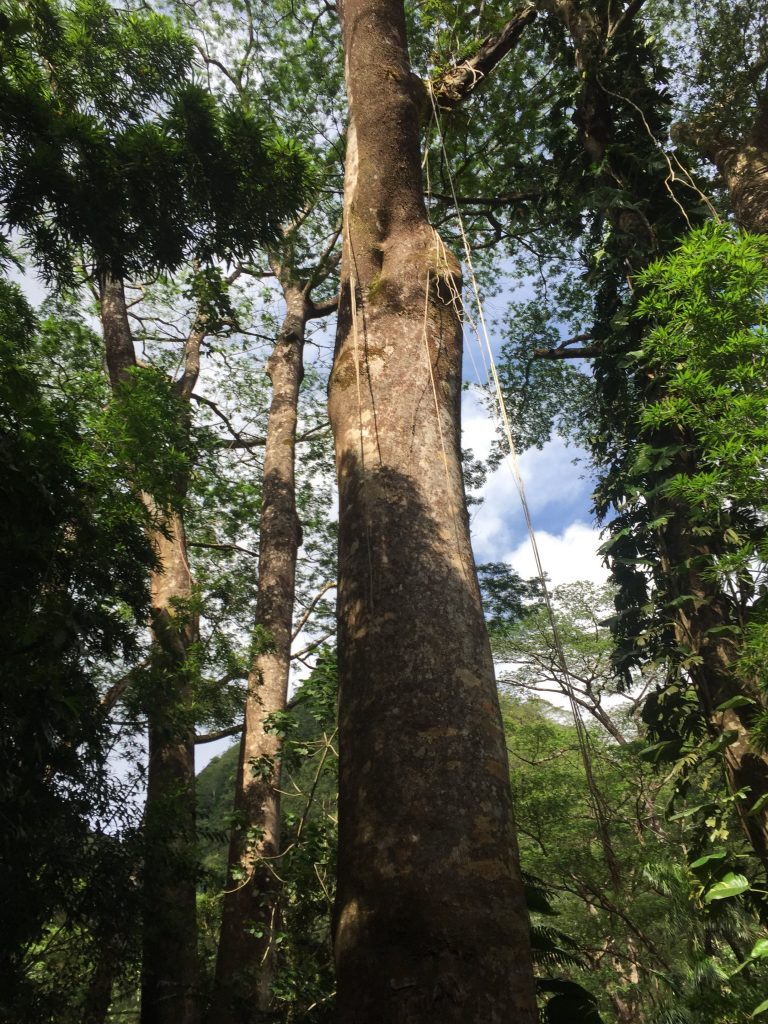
pixel 74 595
pixel 112 148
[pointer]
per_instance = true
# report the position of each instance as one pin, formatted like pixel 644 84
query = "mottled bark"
pixel 246 957
pixel 743 165
pixel 169 964
pixel 430 920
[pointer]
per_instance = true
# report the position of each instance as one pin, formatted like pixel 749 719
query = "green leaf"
pixel 715 855
pixel 758 805
pixel 760 1009
pixel 759 950
pixel 725 739
pixel 731 885
pixel 735 702
pixel 688 812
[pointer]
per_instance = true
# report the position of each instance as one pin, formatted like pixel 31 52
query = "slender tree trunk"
pixel 430 920
pixel 699 632
pixel 245 966
pixel 169 965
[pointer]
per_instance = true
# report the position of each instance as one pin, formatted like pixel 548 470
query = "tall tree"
pixel 424 803
pixel 143 218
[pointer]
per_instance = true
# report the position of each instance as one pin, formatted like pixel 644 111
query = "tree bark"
pixel 743 166
pixel 169 965
pixel 698 626
pixel 245 967
pixel 430 919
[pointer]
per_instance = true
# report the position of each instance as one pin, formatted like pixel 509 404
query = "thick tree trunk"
pixel 430 921
pixel 246 957
pixel 169 964
pixel 743 166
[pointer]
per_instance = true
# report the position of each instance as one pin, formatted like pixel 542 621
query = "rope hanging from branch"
pixel 480 330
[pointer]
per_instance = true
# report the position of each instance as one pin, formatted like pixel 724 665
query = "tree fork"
pixel 430 919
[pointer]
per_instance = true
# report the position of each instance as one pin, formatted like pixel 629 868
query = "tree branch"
pixel 494 202
pixel 118 688
pixel 625 17
pixel 311 647
pixel 454 85
pixel 321 309
pixel 311 607
pixel 222 547
pixel 218 734
pixel 565 350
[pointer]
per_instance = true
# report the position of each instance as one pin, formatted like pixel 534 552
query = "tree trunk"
pixel 430 920
pixel 699 632
pixel 743 166
pixel 245 966
pixel 169 965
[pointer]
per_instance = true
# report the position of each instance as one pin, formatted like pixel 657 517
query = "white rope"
pixel 484 342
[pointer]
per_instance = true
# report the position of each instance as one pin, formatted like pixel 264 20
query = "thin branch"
pixel 495 202
pixel 222 415
pixel 311 607
pixel 222 547
pixel 311 647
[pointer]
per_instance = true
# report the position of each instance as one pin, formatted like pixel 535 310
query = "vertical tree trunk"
pixel 169 964
pixel 246 962
pixel 430 921
pixel 744 169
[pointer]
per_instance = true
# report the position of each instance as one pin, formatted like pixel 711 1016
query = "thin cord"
pixel 598 805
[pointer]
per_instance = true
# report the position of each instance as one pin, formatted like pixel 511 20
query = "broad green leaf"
pixel 735 702
pixel 761 1008
pixel 715 855
pixel 725 739
pixel 759 950
pixel 689 811
pixel 731 885
pixel 758 805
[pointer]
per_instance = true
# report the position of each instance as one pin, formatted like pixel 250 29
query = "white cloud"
pixel 556 489
pixel 566 557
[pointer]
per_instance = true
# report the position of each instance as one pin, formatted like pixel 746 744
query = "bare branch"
pixel 222 547
pixel 218 734
pixel 318 310
pixel 245 443
pixel 118 688
pixel 494 202
pixel 564 350
pixel 185 385
pixel 311 647
pixel 311 607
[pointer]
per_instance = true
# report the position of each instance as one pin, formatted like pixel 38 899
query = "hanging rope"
pixel 484 344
